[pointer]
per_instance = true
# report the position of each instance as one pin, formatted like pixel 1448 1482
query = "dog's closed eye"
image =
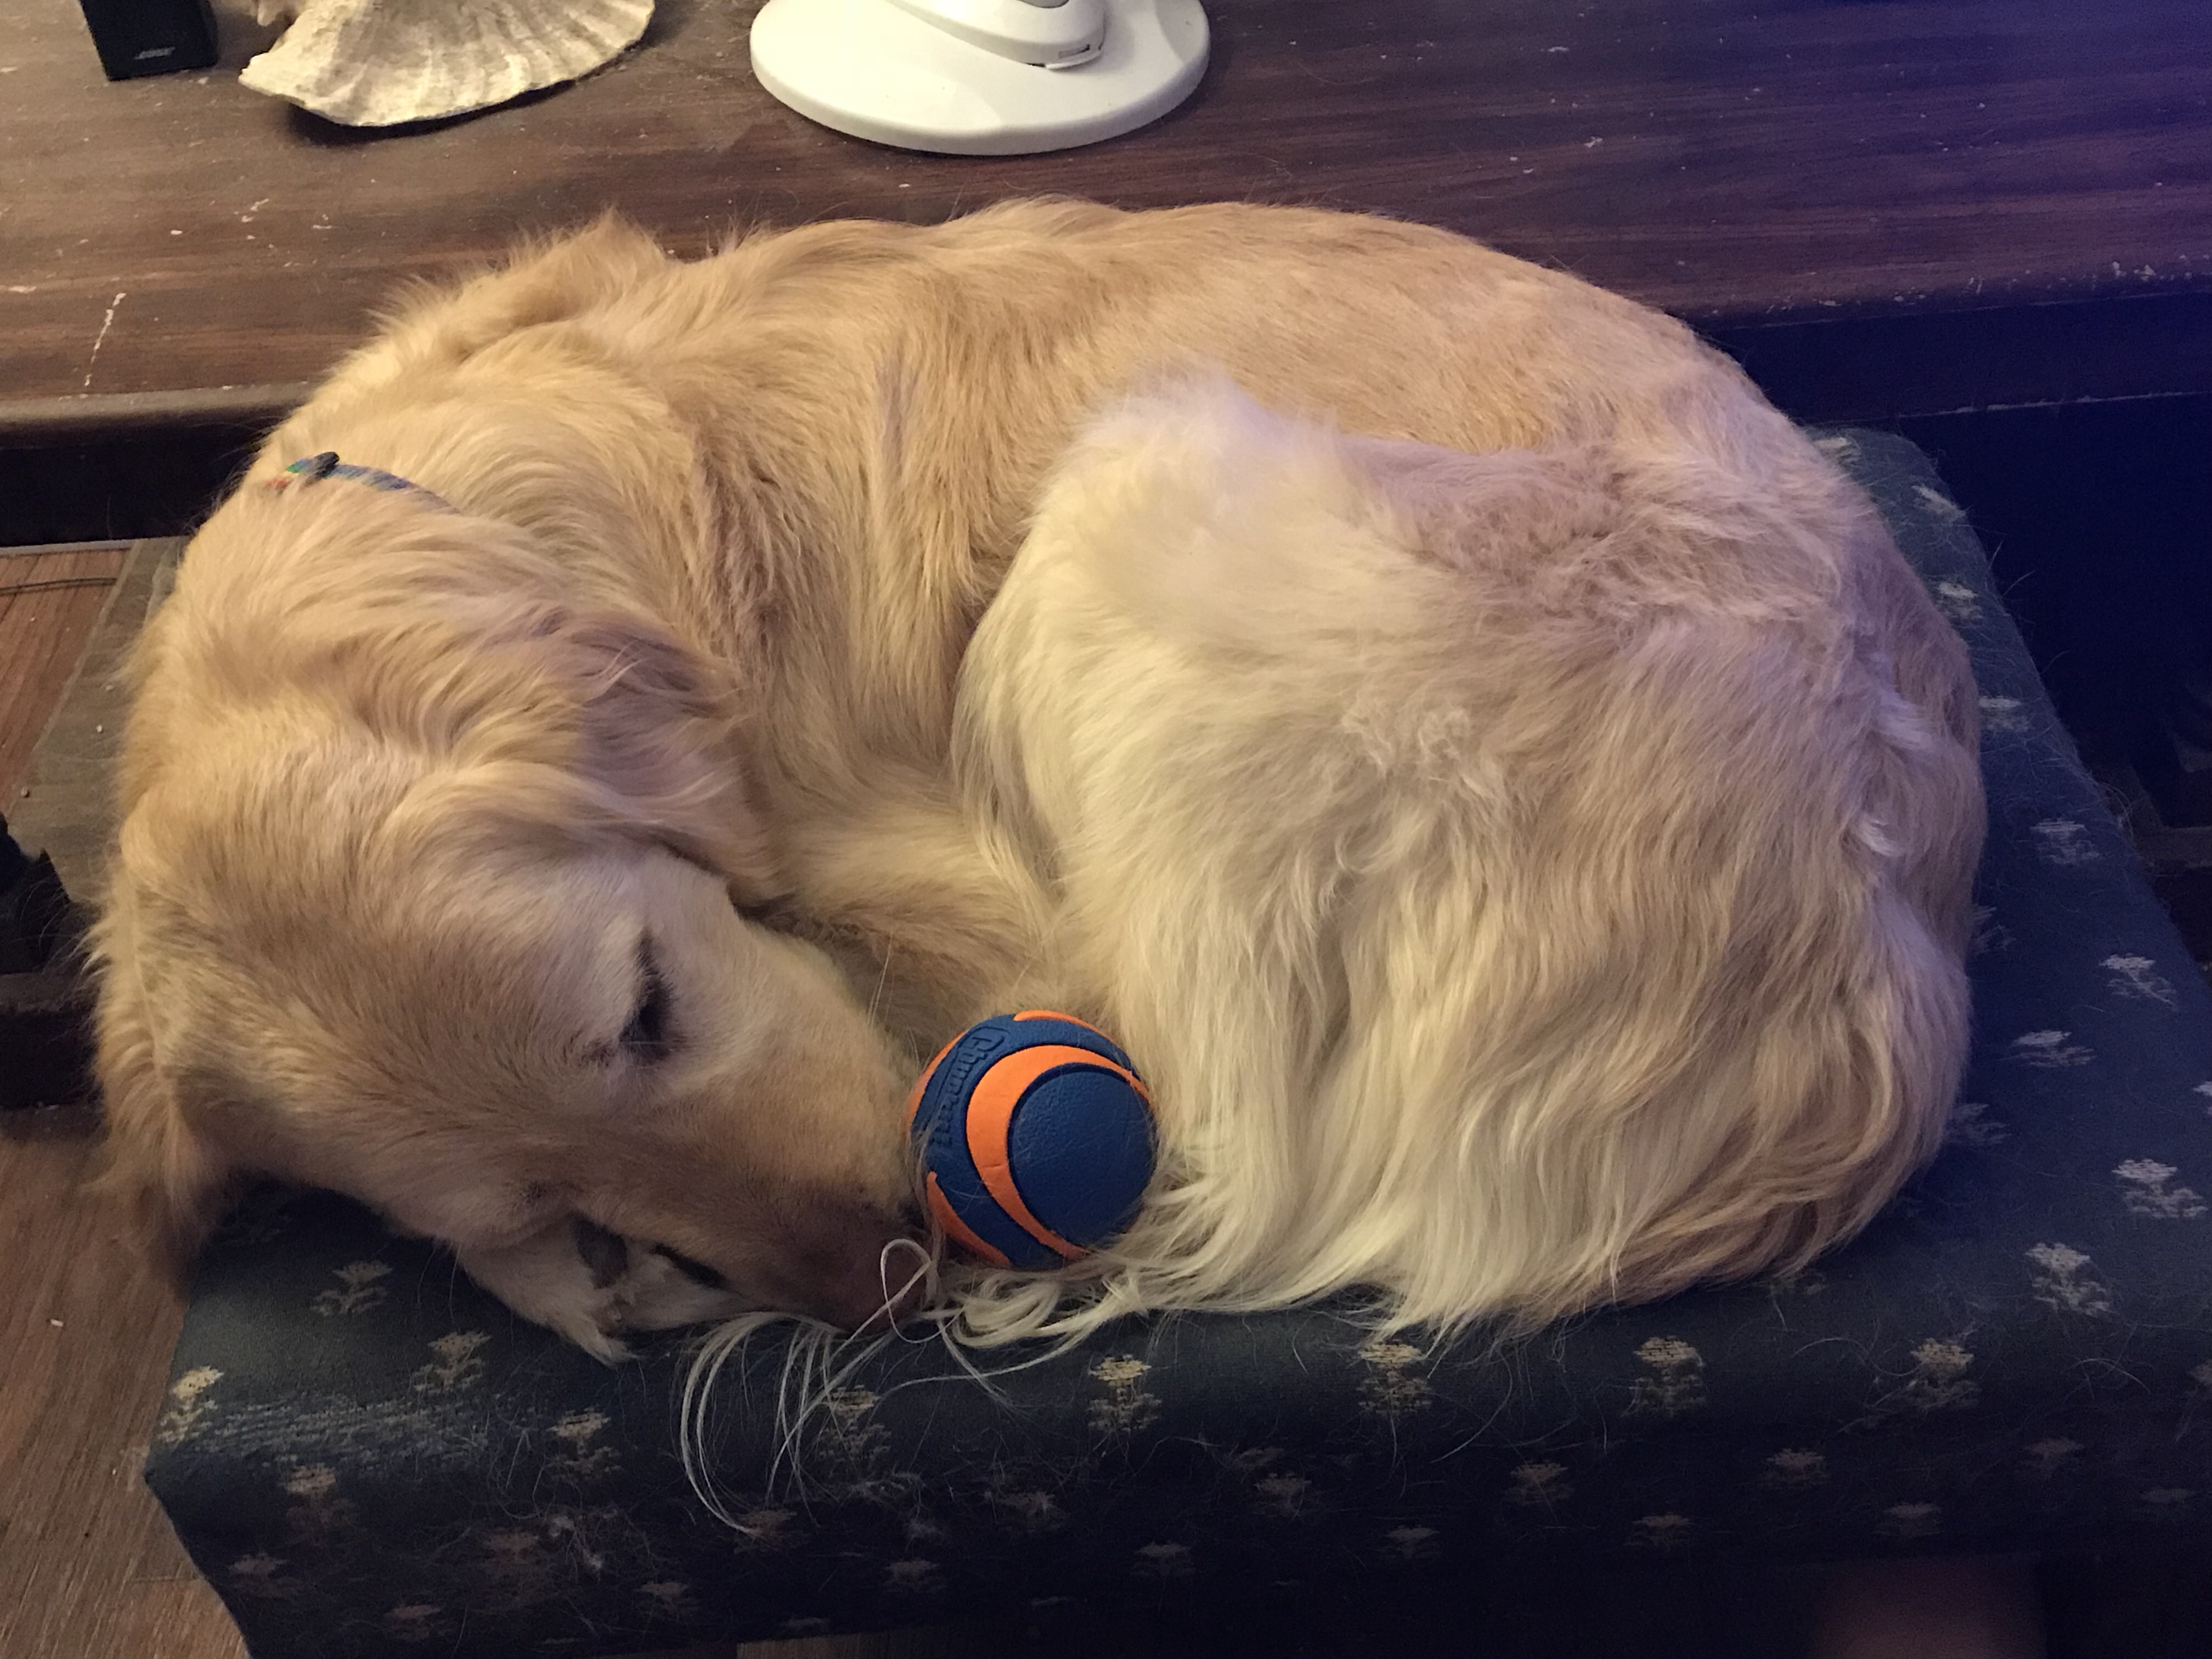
pixel 649 1034
pixel 697 1271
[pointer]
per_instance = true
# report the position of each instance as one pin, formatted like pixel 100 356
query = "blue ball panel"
pixel 1082 1152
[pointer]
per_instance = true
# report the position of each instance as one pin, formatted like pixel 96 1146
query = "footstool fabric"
pixel 368 1455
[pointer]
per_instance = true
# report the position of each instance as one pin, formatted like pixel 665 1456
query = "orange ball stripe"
pixel 958 1230
pixel 991 1105
pixel 1134 1081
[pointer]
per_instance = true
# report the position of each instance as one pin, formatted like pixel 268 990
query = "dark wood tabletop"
pixel 1884 207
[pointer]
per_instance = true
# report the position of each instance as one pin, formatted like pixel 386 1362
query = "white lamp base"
pixel 876 70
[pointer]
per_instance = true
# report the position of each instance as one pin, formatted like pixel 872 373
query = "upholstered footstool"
pixel 368 1455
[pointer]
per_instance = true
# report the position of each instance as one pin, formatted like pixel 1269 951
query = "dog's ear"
pixel 162 1171
pixel 658 747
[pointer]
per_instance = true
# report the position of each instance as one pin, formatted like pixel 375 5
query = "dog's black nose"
pixel 604 1254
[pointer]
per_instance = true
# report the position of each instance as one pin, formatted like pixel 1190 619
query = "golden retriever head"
pixel 428 889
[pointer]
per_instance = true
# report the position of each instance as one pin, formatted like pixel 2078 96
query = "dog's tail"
pixel 1528 878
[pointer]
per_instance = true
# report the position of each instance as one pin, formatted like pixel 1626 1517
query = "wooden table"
pixel 1884 207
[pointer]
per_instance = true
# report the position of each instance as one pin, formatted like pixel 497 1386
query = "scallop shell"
pixel 374 63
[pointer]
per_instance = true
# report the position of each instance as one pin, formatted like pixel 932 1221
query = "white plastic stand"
pixel 872 69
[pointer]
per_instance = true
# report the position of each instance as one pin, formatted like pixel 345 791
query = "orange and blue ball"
pixel 1035 1138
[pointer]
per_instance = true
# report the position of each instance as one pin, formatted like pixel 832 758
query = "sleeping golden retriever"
pixel 1495 776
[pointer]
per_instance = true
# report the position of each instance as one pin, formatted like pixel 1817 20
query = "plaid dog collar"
pixel 316 468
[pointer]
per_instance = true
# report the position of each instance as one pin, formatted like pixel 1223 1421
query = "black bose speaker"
pixel 151 37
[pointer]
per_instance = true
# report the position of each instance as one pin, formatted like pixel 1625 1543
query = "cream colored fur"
pixel 1496 777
